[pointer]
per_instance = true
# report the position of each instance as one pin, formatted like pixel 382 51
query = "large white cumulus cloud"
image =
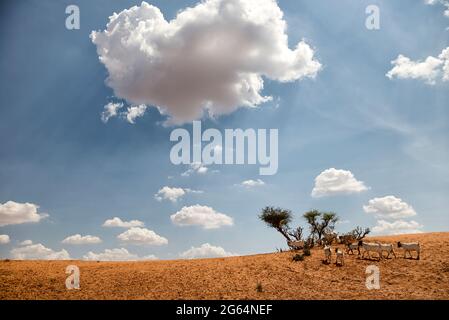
pixel 389 207
pixel 390 212
pixel 16 213
pixel 209 57
pixel 336 181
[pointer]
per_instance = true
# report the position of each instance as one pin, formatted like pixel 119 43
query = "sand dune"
pixel 238 277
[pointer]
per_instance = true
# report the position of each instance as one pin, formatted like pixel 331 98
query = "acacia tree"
pixel 360 233
pixel 356 234
pixel 278 219
pixel 296 233
pixel 320 223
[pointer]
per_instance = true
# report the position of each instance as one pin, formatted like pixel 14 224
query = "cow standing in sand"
pixel 340 259
pixel 409 247
pixel 350 247
pixel 327 254
pixel 369 247
pixel 387 247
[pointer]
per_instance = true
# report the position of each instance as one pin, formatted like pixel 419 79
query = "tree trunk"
pixel 284 234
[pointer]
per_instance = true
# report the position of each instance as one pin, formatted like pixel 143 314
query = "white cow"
pixel 409 247
pixel 327 254
pixel 350 247
pixel 340 259
pixel 370 247
pixel 387 247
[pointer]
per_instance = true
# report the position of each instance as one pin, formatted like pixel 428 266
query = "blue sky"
pixel 55 151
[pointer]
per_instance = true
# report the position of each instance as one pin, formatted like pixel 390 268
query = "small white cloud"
pixel 38 252
pixel 203 216
pixel 430 70
pixel 117 254
pixel 334 181
pixel 195 167
pixel 211 58
pixel 26 243
pixel 4 239
pixel 117 222
pixel 397 227
pixel 141 236
pixel 16 213
pixel 167 193
pixel 135 112
pixel 110 111
pixel 79 239
pixel 389 207
pixel 253 183
pixel 173 194
pixel 205 251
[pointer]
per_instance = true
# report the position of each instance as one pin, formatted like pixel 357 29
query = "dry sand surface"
pixel 238 277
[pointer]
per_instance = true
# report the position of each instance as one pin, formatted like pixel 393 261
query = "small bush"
pixel 309 243
pixel 259 287
pixel 306 252
pixel 298 257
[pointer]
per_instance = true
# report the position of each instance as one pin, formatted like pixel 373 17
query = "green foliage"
pixel 311 217
pixel 278 219
pixel 320 223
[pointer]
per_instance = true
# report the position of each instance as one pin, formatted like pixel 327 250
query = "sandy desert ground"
pixel 238 277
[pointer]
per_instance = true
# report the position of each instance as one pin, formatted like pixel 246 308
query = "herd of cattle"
pixel 367 248
pixel 363 249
